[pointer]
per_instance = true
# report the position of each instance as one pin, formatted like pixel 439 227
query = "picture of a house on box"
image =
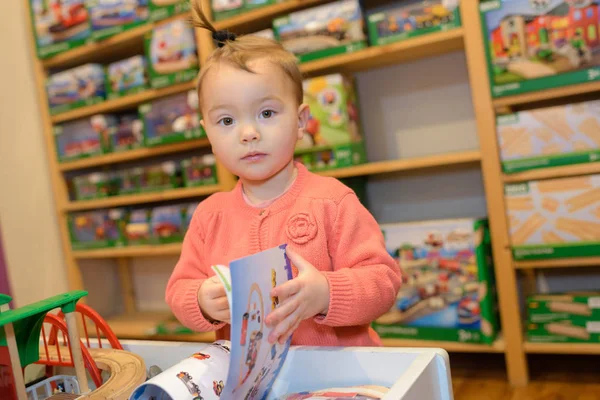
pixel 553 38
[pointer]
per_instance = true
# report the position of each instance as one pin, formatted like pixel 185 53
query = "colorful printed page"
pixel 254 362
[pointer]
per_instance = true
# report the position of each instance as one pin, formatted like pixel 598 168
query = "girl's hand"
pixel 213 301
pixel 300 298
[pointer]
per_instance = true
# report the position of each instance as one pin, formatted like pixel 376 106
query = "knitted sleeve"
pixel 187 277
pixel 365 278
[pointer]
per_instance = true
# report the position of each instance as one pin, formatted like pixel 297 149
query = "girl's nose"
pixel 249 134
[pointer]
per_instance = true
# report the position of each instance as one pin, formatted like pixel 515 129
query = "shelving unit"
pixel 134 324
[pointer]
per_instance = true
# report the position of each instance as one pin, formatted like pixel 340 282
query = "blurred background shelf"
pixel 173 249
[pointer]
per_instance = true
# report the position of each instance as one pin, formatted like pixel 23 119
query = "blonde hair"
pixel 238 51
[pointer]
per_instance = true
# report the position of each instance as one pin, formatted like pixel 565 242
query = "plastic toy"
pixel 83 138
pixel 109 17
pixel 199 171
pixel 96 229
pixel 126 77
pixel 59 25
pixel 162 9
pixel 411 18
pixel 171 51
pixel 322 31
pixel 76 87
pixel 448 292
pixel 534 45
pixel 128 134
pixel 171 119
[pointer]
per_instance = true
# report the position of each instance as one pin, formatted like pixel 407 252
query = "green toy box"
pixel 137 227
pixel 448 290
pixel 322 31
pixel 82 138
pixel 549 137
pixel 97 185
pixel 128 134
pixel 168 223
pixel 59 26
pixel 76 87
pixel 110 17
pixel 171 51
pixel 97 229
pixel 126 77
pixel 163 9
pixel 325 158
pixel 535 45
pixel 159 177
pixel 554 218
pixel 199 171
pixel 223 9
pixel 564 317
pixel 408 19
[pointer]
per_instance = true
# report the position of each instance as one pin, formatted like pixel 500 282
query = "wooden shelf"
pixel 173 249
pixel 409 164
pixel 548 94
pixel 146 152
pixel 553 172
pixel 263 17
pixel 122 103
pixel 562 348
pixel 141 325
pixel 118 201
pixel 559 263
pixel 496 347
pixel 416 48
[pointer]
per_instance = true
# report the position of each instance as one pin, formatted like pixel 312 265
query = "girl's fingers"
pixel 282 312
pixel 221 304
pixel 224 316
pixel 284 326
pixel 215 290
pixel 286 290
pixel 291 330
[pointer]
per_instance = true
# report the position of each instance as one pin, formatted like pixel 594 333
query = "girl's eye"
pixel 226 121
pixel 267 113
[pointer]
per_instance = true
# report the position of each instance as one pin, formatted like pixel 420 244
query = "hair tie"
pixel 221 37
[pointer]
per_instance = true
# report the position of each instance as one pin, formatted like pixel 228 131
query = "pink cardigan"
pixel 321 219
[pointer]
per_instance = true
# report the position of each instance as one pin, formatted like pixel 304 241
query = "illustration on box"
pixel 167 223
pixel 76 87
pixel 128 134
pixel 127 76
pixel 94 229
pixel 59 25
pixel 222 9
pixel 137 228
pixel 161 9
pixel 198 171
pixel 83 138
pixel 96 185
pixel 171 119
pixel 540 40
pixel 447 293
pixel 161 176
pixel 551 136
pixel 554 218
pixel 411 18
pixel 322 31
pixel 109 17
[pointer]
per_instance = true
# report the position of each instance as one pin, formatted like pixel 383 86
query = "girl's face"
pixel 252 120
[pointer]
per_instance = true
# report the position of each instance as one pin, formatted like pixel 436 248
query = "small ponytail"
pixel 199 20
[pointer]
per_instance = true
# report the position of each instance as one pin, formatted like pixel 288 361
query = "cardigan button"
pixel 261 212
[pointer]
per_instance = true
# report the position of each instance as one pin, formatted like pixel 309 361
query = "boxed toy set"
pixel 554 218
pixel 199 171
pixel 407 19
pixel 549 137
pixel 76 87
pixel 448 291
pixel 128 180
pixel 332 157
pixel 534 45
pixel 162 9
pixel 109 17
pixel 137 227
pixel 172 55
pixel 322 31
pixel 564 318
pixel 96 185
pixel 223 9
pixel 128 134
pixel 158 177
pixel 167 223
pixel 171 119
pixel 126 77
pixel 83 137
pixel 95 229
pixel 59 25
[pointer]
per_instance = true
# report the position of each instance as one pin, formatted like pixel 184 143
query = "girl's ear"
pixel 303 115
pixel 202 124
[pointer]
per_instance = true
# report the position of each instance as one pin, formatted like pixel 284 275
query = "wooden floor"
pixel 482 377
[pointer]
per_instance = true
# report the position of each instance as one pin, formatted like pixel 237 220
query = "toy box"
pixel 534 45
pixel 95 229
pixel 223 9
pixel 76 87
pixel 126 77
pixel 564 317
pixel 109 17
pixel 96 185
pixel 168 224
pixel 407 19
pixel 162 9
pixel 265 33
pixel 331 157
pixel 549 137
pixel 171 51
pixel 59 25
pixel 448 291
pixel 322 31
pixel 137 228
pixel 84 137
pixel 129 180
pixel 171 119
pixel 163 176
pixel 128 134
pixel 554 218
pixel 199 171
